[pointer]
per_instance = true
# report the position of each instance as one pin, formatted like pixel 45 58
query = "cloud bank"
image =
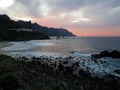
pixel 72 14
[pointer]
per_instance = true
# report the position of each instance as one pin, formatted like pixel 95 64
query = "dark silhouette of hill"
pixel 21 35
pixel 46 30
pixel 6 22
pixel 52 31
pixel 9 31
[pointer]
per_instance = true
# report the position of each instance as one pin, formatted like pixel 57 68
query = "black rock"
pixel 104 54
pixel 115 54
pixel 112 54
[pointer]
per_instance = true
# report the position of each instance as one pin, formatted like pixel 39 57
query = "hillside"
pixel 44 29
pixel 7 23
pixel 52 31
pixel 12 31
pixel 21 36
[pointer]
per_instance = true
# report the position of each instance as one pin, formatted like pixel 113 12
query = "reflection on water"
pixel 65 46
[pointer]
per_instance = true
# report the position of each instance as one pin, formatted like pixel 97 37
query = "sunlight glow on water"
pixel 65 46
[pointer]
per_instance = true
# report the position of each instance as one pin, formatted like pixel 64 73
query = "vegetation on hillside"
pixel 7 24
pixel 9 31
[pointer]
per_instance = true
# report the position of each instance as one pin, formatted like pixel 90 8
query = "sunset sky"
pixel 82 17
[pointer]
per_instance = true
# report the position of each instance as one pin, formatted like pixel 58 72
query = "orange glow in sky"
pixel 96 32
pixel 81 17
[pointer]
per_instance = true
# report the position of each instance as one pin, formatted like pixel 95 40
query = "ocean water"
pixel 84 45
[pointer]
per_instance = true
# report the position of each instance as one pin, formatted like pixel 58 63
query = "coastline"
pixel 38 75
pixel 34 69
pixel 4 44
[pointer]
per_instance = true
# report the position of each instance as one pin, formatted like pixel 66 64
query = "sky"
pixel 81 17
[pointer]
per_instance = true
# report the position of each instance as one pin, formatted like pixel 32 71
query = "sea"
pixel 63 46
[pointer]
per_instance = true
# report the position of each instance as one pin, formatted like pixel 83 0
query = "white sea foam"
pixel 29 54
pixel 100 68
pixel 25 45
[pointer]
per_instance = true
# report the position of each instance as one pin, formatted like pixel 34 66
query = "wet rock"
pixel 30 74
pixel 69 69
pixel 112 80
pixel 10 82
pixel 115 54
pixel 104 54
pixel 112 54
pixel 60 67
pixel 117 71
pixel 65 62
pixel 83 73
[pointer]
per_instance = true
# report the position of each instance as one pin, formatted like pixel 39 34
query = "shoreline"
pixel 39 74
pixel 5 44
pixel 97 67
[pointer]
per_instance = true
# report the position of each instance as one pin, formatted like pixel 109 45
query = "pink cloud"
pixel 96 31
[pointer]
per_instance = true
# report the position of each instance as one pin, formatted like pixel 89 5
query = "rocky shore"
pixel 56 73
